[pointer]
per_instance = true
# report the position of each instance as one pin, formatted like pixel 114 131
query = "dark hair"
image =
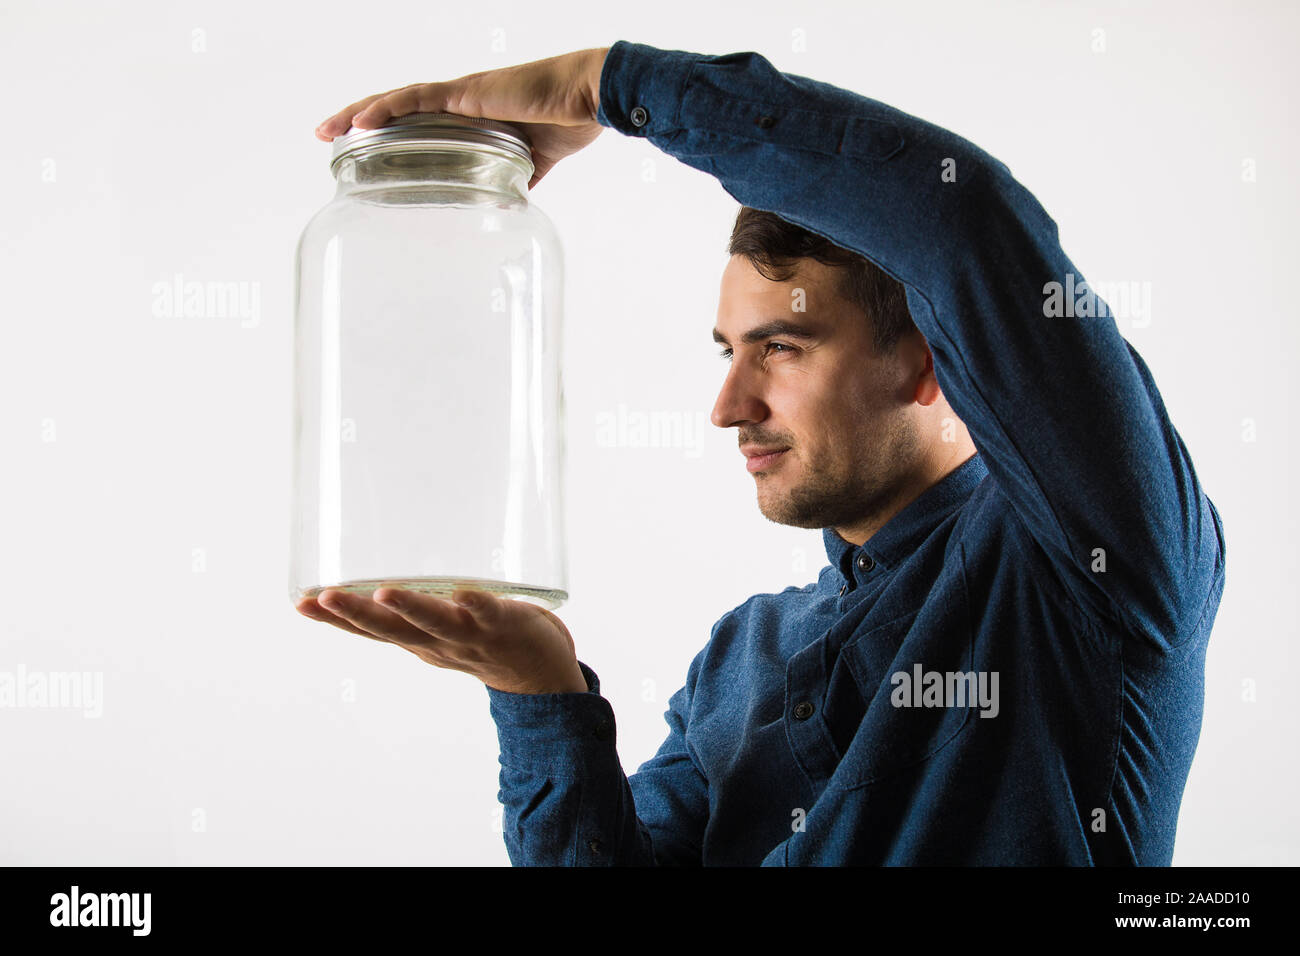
pixel 773 245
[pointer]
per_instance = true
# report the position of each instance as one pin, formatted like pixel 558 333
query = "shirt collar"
pixel 905 530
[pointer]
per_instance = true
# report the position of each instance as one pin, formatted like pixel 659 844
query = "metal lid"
pixel 433 128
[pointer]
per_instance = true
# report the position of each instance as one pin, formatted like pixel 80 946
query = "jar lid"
pixel 433 128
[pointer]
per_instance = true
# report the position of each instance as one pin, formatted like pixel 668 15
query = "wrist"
pixel 575 683
pixel 595 67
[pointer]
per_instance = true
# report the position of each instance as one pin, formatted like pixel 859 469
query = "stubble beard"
pixel 838 494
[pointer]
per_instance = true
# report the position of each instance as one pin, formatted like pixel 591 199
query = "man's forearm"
pixel 565 796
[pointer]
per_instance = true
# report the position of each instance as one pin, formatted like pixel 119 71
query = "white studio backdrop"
pixel 143 520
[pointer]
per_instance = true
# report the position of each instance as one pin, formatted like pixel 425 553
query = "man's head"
pixel 826 362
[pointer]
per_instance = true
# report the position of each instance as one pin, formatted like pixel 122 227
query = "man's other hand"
pixel 553 101
pixel 509 645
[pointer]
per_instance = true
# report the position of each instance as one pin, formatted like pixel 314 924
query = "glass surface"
pixel 428 403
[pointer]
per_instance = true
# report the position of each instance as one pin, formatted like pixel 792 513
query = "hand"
pixel 509 645
pixel 553 101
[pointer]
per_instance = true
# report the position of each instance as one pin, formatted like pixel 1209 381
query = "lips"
pixel 754 451
pixel 761 461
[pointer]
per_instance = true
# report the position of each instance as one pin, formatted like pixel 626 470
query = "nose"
pixel 738 401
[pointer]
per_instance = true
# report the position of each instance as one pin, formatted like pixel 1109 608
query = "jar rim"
pixel 433 128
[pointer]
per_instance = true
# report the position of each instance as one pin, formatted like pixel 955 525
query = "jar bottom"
pixel 442 587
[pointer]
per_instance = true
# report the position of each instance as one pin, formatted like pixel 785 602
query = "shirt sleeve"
pixel 566 799
pixel 1062 409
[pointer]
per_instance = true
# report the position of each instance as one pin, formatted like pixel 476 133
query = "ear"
pixel 927 385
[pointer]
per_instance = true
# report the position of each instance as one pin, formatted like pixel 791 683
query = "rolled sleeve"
pixel 563 734
pixel 641 89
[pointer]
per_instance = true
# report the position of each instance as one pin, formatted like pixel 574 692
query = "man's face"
pixel 842 413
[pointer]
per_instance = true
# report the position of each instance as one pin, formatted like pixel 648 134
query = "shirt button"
pixel 866 562
pixel 594 846
pixel 843 588
pixel 766 122
pixel 803 710
pixel 602 729
pixel 638 116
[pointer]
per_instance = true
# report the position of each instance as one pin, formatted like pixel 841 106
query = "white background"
pixel 133 443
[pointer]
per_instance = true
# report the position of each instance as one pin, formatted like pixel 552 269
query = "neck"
pixel 432 174
pixel 933 470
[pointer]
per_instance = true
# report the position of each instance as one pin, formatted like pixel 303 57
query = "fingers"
pixel 309 607
pixel 485 608
pixel 443 619
pixel 369 615
pixel 422 98
pixel 338 124
pixel 374 111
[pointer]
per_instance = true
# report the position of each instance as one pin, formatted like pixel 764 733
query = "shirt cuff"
pixel 564 734
pixel 641 88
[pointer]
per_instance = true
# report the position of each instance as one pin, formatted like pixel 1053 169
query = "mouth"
pixel 763 462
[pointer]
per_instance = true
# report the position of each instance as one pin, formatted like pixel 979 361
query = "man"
pixel 1004 660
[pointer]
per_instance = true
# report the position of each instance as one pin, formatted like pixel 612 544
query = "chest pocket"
pixel 914 674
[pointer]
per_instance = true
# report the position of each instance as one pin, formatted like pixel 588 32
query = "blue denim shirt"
pixel 1068 573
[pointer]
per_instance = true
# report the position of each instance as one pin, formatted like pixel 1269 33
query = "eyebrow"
pixel 769 329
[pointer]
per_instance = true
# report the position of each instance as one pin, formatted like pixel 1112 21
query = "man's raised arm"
pixel 1062 409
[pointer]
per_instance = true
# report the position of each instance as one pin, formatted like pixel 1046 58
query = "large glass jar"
pixel 428 402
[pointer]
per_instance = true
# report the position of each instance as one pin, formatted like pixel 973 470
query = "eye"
pixel 726 353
